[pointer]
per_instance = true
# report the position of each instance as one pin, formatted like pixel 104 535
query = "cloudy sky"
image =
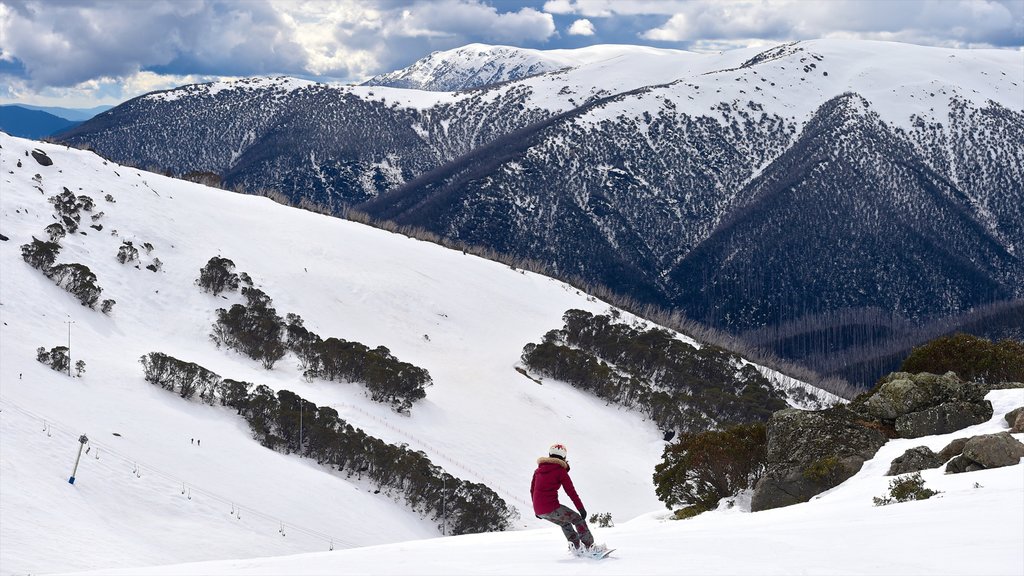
pixel 89 52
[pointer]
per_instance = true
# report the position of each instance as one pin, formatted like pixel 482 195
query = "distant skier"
pixel 551 474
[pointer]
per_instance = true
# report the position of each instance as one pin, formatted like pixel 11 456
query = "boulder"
pixel 954 448
pixel 943 419
pixel 915 460
pixel 809 452
pixel 994 450
pixel 962 464
pixel 1012 415
pixel 1018 424
pixel 41 157
pixel 924 404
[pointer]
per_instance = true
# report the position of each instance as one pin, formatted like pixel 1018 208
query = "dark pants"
pixel 573 525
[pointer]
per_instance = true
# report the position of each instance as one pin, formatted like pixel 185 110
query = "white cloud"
pixel 933 22
pixel 582 27
pixel 102 90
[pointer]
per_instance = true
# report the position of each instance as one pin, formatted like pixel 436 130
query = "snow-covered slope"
pixel 145 494
pixel 974 526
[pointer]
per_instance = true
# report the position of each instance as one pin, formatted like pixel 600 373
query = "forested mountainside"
pixel 748 189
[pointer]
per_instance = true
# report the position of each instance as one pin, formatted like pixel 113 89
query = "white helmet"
pixel 558 450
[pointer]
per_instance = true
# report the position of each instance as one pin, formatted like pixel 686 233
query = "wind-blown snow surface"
pixel 974 526
pixel 146 495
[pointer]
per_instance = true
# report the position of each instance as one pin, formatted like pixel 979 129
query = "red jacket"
pixel 550 475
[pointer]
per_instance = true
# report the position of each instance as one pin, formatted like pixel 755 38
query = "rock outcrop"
pixel 925 404
pixel 987 451
pixel 812 451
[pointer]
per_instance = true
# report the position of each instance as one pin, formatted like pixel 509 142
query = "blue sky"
pixel 89 52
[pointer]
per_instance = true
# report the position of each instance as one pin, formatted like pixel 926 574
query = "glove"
pixel 583 512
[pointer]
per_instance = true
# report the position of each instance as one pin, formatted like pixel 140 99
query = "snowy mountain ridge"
pixel 479 65
pixel 659 174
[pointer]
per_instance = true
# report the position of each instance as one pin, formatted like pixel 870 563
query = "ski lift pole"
pixel 83 440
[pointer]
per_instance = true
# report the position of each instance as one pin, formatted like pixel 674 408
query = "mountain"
pixel 824 180
pixel 75 114
pixel 21 121
pixel 166 481
pixel 479 65
pixel 171 479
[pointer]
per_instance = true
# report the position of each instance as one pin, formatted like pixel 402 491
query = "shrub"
pixel 107 305
pixel 39 254
pixel 972 358
pixel 127 252
pixel 905 488
pixel 79 368
pixel 690 511
pixel 218 276
pixel 603 520
pixel 77 279
pixel 156 265
pixel 704 467
pixel 55 231
pixel 57 358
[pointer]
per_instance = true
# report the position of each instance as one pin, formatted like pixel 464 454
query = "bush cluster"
pixel 971 357
pixel 681 387
pixel 256 330
pixel 58 358
pixel 69 207
pixel 184 378
pixel 905 488
pixel 77 279
pixel 387 379
pixel 218 276
pixel 465 507
pixel 699 469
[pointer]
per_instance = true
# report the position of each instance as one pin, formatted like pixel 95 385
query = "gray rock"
pixel 954 448
pixel 924 404
pixel 915 460
pixel 994 450
pixel 41 157
pixel 962 464
pixel 1018 424
pixel 812 451
pixel 790 486
pixel 943 419
pixel 1011 416
pixel 897 397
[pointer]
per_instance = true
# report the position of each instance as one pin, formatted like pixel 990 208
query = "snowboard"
pixel 597 555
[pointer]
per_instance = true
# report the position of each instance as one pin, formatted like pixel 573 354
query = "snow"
pixel 154 499
pixel 974 526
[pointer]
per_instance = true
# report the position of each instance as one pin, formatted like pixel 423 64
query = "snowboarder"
pixel 551 474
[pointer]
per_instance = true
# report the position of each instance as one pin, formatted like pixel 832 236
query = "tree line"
pixel 258 331
pixel 680 387
pixel 288 423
